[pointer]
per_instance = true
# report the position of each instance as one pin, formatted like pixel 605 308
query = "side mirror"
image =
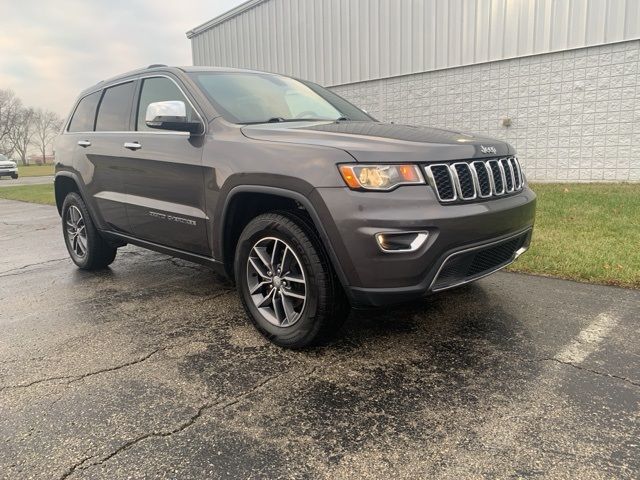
pixel 171 115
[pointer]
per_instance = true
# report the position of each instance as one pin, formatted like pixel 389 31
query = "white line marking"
pixel 588 340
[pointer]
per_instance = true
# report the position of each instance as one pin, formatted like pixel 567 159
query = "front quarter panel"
pixel 230 159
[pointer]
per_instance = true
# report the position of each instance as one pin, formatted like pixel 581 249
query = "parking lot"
pixel 151 370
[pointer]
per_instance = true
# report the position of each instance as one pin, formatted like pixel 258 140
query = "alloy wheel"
pixel 276 281
pixel 76 231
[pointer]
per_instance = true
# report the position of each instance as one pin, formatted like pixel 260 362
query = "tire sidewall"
pixel 306 326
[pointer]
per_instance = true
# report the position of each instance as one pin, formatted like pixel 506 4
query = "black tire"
pixel 326 306
pixel 15 177
pixel 98 252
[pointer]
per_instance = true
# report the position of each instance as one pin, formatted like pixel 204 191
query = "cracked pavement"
pixel 150 369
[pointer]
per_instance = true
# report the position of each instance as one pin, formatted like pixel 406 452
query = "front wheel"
pixel 286 282
pixel 86 247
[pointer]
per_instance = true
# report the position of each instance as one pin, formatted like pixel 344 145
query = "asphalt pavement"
pixel 150 369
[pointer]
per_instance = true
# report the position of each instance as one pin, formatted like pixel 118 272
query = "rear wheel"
pixel 286 282
pixel 86 247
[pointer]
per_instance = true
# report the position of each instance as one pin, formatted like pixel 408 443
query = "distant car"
pixel 8 168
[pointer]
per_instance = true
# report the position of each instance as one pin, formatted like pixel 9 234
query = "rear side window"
pixel 115 108
pixel 85 114
pixel 159 89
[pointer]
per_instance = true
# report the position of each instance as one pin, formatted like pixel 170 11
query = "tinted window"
pixel 85 114
pixel 159 89
pixel 115 108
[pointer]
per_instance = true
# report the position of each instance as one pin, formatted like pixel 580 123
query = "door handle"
pixel 84 143
pixel 132 145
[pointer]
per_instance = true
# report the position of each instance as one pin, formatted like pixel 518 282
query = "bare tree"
pixel 21 135
pixel 10 106
pixel 47 125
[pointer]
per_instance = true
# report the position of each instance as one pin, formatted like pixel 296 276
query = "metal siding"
pixel 336 42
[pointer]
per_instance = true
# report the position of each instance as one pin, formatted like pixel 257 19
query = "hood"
pixel 380 142
pixel 7 163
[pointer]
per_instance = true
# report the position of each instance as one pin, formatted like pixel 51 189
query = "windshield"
pixel 244 97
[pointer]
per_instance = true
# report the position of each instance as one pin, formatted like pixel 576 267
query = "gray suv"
pixel 307 202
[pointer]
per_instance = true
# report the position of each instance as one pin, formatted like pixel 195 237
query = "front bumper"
pixel 8 172
pixel 375 278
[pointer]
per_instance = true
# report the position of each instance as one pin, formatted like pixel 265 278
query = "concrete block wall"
pixel 575 114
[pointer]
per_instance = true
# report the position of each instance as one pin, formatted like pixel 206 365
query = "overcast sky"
pixel 51 50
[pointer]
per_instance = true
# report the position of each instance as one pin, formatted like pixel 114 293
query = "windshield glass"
pixel 244 97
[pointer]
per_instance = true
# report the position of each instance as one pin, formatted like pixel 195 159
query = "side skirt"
pixel 174 252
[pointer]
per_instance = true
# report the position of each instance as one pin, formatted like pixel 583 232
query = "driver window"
pixel 159 89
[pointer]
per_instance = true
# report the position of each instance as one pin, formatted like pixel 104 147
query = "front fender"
pixel 306 196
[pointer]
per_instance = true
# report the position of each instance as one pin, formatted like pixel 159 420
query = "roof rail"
pixel 154 65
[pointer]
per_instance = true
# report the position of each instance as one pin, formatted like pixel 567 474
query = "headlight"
pixel 380 177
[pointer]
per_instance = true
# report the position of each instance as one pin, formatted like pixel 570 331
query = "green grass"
pixel 35 170
pixel 29 193
pixel 586 232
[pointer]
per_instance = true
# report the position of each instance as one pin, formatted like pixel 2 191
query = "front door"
pixel 163 177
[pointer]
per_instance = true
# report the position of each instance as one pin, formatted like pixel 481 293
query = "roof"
pixel 165 68
pixel 243 7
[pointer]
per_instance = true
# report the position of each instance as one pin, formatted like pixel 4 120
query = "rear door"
pixel 97 154
pixel 107 154
pixel 164 175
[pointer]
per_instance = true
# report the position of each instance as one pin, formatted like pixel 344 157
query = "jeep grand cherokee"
pixel 307 202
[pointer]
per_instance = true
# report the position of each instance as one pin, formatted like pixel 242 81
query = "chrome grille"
pixel 477 179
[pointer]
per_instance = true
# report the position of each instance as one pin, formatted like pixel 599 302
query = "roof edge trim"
pixel 243 7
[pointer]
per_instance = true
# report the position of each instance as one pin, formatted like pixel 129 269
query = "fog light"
pixel 401 242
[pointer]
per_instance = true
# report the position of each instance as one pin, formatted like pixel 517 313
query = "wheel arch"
pixel 228 234
pixel 63 184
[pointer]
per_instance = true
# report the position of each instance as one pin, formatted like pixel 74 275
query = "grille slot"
pixel 498 177
pixel 466 181
pixel 508 174
pixel 442 181
pixel 484 182
pixel 517 173
pixel 466 266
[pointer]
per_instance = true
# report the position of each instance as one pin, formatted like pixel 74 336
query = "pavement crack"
pixel 19 270
pixel 75 378
pixel 69 471
pixel 117 367
pixel 596 372
pixel 215 406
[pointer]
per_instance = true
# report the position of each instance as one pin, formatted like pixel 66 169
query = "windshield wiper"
pixel 282 120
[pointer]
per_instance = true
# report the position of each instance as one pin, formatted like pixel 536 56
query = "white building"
pixel 565 72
